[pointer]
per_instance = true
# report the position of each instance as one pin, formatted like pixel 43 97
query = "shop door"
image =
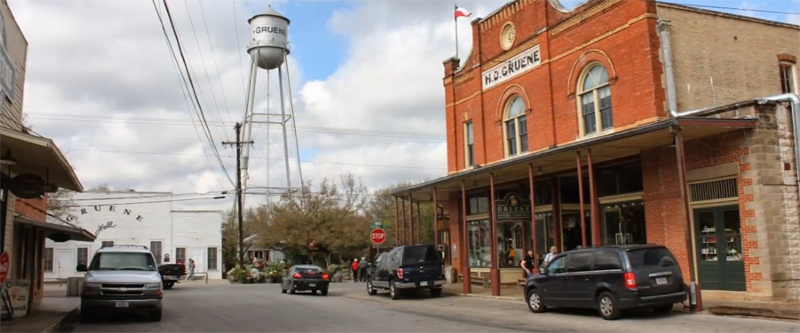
pixel 198 254
pixel 66 263
pixel 719 248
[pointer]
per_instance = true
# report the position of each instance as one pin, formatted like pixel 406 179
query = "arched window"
pixel 516 127
pixel 595 100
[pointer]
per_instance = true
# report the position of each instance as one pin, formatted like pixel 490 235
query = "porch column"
pixel 495 271
pixel 681 154
pixel 396 222
pixel 580 199
pixel 533 217
pixel 597 239
pixel 466 280
pixel 419 225
pixel 410 220
pixel 435 219
pixel 403 200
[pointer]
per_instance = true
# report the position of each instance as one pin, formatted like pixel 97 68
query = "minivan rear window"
pixel 651 257
pixel 419 254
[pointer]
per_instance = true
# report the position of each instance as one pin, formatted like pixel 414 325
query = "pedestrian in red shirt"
pixel 354 267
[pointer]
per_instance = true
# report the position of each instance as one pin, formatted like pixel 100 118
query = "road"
pixel 348 308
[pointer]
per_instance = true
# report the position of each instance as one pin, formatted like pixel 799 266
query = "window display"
pixel 545 233
pixel 510 242
pixel 624 223
pixel 479 244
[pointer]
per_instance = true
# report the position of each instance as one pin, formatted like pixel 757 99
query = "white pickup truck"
pixel 121 278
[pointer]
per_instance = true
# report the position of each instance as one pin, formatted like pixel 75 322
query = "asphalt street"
pixel 348 308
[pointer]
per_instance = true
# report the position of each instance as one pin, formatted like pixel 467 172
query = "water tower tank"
pixel 269 39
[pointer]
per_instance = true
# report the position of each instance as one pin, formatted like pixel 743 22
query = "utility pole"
pixel 238 143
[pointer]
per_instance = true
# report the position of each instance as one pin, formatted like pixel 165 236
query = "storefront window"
pixel 624 223
pixel 573 234
pixel 545 233
pixel 477 204
pixel 619 179
pixel 543 192
pixel 510 243
pixel 479 242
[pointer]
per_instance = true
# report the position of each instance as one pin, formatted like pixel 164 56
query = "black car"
pixel 609 279
pixel 305 278
pixel 411 267
pixel 171 274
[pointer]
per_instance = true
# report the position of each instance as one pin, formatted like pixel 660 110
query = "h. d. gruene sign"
pixel 523 62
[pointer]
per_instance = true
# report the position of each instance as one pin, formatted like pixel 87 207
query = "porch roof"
pixel 75 233
pixel 604 148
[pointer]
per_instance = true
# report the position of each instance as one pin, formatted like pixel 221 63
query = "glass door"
pixel 719 248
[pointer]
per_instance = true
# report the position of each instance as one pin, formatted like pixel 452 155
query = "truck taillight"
pixel 399 273
pixel 296 275
pixel 630 281
pixel 325 276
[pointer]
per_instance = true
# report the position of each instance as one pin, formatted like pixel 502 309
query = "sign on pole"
pixel 377 224
pixel 377 235
pixel 3 267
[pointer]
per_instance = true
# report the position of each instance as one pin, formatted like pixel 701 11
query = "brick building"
pixel 679 121
pixel 30 167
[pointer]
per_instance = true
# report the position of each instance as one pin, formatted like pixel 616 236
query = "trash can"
pixel 74 286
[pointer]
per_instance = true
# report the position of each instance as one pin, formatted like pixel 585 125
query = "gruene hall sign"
pixel 512 207
pixel 100 208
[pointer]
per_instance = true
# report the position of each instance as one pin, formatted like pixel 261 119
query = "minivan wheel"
pixel 371 291
pixel 607 306
pixel 535 302
pixel 393 291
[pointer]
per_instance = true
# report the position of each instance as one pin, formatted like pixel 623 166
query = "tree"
pixel 331 220
pixel 60 202
pixel 382 208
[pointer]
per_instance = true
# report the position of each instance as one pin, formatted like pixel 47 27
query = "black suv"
pixel 411 267
pixel 609 279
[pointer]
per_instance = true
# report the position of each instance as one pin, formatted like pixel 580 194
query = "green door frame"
pixel 720 274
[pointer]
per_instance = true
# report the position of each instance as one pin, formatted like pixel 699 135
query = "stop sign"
pixel 377 235
pixel 3 267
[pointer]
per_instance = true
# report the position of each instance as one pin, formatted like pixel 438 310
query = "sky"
pixel 364 78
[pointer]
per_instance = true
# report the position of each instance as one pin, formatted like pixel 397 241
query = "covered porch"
pixel 538 200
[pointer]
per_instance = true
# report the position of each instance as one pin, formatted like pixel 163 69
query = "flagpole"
pixel 455 21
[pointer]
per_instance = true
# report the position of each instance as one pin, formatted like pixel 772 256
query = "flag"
pixel 461 12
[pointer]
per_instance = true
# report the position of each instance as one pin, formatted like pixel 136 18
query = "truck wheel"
pixel 169 285
pixel 85 315
pixel 324 292
pixel 393 291
pixel 436 292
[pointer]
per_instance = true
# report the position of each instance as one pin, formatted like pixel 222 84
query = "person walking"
pixel 191 269
pixel 354 267
pixel 362 270
pixel 549 256
pixel 527 264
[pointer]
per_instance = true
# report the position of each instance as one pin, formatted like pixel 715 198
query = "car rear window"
pixel 651 257
pixel 308 269
pixel 419 254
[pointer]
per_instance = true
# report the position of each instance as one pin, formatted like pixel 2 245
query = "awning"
pixel 74 233
pixel 40 156
pixel 604 148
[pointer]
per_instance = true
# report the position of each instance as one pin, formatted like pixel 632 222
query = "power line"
pixel 207 130
pixel 740 9
pixel 185 122
pixel 184 85
pixel 144 202
pixel 260 158
pixel 145 196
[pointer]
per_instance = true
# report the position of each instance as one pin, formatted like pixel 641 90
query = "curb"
pixel 755 312
pixel 68 318
pixel 502 298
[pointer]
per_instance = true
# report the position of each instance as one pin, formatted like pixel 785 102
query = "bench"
pixel 474 279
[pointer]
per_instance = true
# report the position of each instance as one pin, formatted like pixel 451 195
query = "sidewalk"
pixel 773 310
pixel 46 315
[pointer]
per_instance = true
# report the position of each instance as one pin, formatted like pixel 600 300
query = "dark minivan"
pixel 410 267
pixel 609 279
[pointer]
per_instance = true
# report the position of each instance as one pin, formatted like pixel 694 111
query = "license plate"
pixel 312 285
pixel 170 277
pixel 423 283
pixel 661 280
pixel 122 304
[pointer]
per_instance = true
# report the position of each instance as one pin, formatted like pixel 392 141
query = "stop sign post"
pixel 377 236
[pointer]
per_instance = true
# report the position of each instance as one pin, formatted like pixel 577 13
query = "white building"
pixel 139 218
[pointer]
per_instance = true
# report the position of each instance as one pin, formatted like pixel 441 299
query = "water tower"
pixel 268 49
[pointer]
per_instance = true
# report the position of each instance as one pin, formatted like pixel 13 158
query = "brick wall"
pixel 33 209
pixel 739 54
pixel 620 34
